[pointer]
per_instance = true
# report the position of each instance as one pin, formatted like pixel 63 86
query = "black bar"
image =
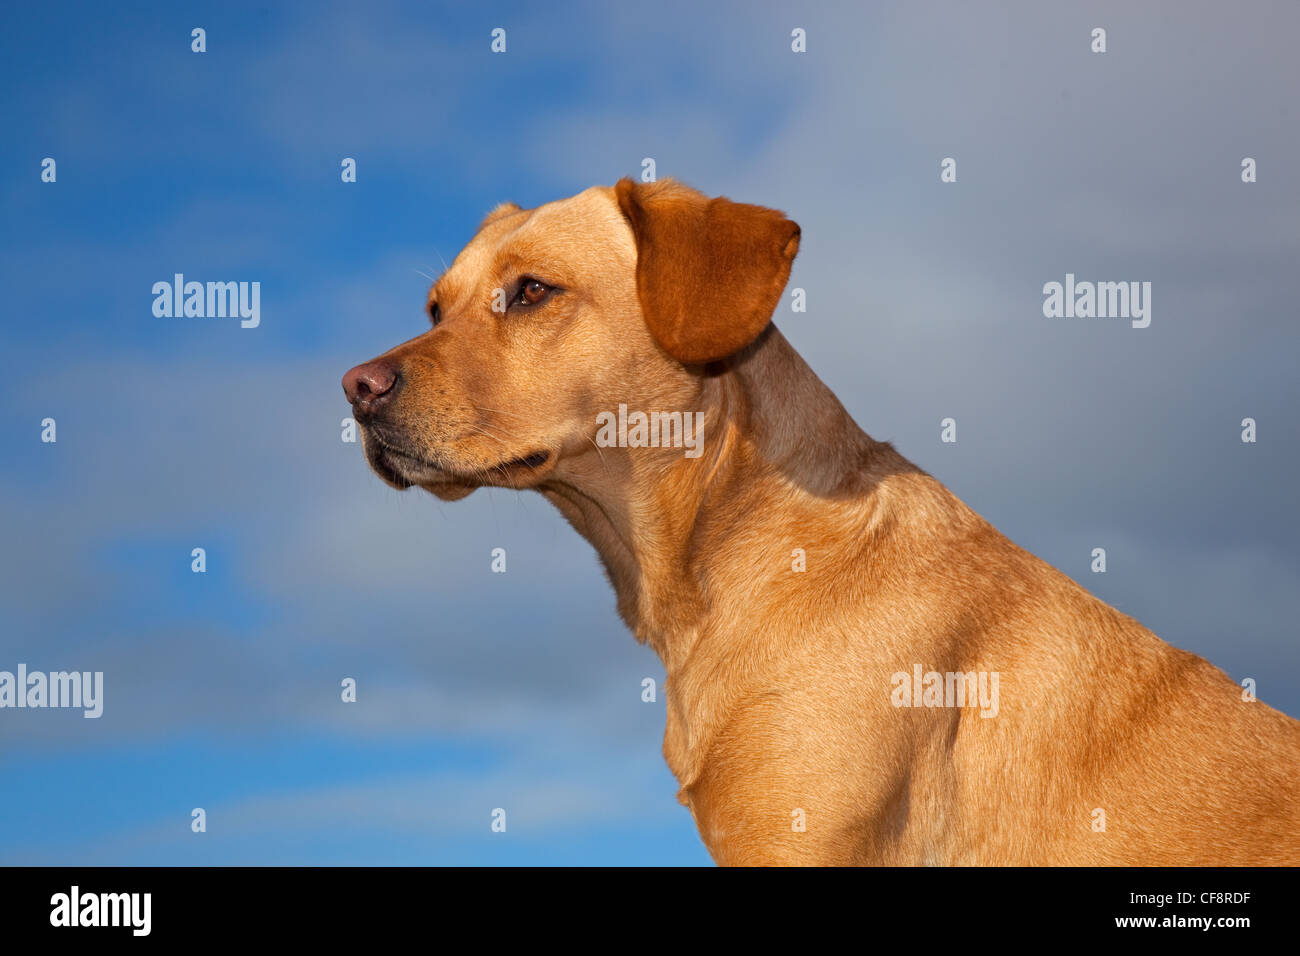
pixel 331 905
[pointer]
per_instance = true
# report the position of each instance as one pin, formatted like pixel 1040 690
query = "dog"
pixel 860 669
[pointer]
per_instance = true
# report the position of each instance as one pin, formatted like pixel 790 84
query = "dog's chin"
pixel 401 470
pixel 386 469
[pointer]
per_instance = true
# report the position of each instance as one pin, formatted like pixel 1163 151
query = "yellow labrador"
pixel 860 668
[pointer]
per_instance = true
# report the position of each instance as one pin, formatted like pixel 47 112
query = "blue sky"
pixel 522 690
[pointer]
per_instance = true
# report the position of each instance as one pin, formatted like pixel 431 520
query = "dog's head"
pixel 553 315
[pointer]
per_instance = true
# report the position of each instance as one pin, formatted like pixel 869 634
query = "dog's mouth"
pixel 386 463
pixel 535 460
pixel 402 467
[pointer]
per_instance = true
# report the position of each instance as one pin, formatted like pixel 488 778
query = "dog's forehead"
pixel 564 232
pixel 591 215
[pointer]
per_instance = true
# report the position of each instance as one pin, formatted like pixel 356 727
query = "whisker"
pixel 496 411
pixel 500 466
pixel 604 464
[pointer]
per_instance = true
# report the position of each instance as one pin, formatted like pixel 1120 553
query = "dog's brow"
pixel 512 264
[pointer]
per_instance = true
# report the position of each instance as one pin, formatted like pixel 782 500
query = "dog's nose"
pixel 370 385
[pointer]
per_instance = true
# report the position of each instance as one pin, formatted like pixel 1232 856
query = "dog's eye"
pixel 531 292
pixel 435 314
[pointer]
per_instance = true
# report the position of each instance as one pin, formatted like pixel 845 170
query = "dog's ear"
pixel 709 272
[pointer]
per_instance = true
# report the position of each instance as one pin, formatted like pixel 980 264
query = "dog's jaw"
pixel 448 478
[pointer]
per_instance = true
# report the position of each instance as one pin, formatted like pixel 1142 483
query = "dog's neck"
pixel 772 432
